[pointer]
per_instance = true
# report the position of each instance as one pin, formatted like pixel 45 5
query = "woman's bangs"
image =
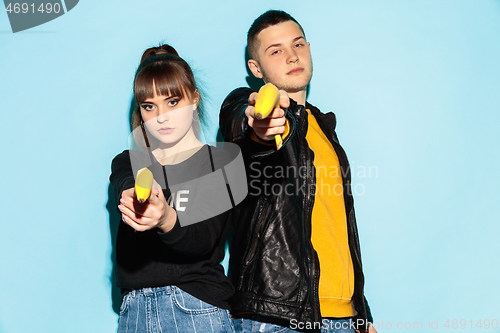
pixel 159 79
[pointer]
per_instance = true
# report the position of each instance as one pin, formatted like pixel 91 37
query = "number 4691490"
pixel 462 324
pixel 25 8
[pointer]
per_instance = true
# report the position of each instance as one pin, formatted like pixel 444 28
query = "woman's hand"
pixel 153 213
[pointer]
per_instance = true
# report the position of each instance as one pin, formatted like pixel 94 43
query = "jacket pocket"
pixel 259 220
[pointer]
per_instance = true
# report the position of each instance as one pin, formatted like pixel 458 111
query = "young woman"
pixel 169 248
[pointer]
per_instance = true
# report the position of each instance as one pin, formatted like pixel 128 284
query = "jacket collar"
pixel 327 121
pixel 298 111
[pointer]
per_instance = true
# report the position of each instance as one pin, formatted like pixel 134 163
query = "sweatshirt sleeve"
pixel 122 176
pixel 196 239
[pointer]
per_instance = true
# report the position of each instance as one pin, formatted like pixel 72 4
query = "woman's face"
pixel 169 118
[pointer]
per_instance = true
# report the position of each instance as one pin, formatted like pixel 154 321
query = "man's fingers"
pixel 250 111
pixel 269 133
pixel 269 123
pixel 252 98
pixel 277 113
pixel 284 99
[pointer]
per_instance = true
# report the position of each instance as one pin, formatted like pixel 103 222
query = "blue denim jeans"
pixel 170 309
pixel 258 324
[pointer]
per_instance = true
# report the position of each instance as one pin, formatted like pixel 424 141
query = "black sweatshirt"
pixel 187 256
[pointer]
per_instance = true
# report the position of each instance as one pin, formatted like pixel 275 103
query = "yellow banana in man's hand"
pixel 268 98
pixel 143 184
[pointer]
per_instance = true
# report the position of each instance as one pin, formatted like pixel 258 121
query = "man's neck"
pixel 299 96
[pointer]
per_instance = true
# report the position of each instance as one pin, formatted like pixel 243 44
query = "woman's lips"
pixel 165 130
pixel 296 71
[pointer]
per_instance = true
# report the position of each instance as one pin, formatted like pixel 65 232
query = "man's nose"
pixel 292 56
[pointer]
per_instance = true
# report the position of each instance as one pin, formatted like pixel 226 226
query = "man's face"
pixel 283 57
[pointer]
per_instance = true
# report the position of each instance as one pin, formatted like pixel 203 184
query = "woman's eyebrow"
pixel 166 99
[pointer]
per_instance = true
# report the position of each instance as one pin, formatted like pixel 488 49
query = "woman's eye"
pixel 147 107
pixel 173 102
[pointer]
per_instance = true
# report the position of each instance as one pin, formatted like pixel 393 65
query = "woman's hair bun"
pixel 157 50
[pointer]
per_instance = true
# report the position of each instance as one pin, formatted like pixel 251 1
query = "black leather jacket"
pixel 273 264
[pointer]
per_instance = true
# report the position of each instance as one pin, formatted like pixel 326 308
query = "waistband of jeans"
pixel 151 291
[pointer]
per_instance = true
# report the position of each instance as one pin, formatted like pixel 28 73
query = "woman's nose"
pixel 162 116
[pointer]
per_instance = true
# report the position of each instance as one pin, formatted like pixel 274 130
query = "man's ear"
pixel 255 69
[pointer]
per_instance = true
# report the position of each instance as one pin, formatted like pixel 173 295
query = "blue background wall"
pixel 415 87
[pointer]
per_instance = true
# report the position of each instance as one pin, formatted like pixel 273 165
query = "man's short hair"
pixel 269 18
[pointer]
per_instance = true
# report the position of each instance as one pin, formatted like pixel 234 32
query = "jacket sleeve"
pixel 232 120
pixel 234 124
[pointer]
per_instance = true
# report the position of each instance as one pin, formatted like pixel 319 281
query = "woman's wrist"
pixel 167 222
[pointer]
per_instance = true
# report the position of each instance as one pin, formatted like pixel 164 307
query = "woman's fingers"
pixel 135 225
pixel 142 216
pixel 139 223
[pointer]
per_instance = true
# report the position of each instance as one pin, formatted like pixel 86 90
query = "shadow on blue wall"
pixel 114 222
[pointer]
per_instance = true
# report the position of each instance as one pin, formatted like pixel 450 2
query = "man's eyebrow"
pixel 272 45
pixel 279 44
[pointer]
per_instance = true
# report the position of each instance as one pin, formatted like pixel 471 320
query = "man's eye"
pixel 147 107
pixel 275 52
pixel 173 102
pixel 299 45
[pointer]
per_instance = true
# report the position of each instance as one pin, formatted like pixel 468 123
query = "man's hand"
pixel 155 212
pixel 274 124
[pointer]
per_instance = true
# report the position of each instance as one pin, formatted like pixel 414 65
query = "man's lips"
pixel 295 71
pixel 165 130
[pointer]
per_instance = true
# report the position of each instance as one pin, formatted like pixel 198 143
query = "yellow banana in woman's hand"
pixel 143 184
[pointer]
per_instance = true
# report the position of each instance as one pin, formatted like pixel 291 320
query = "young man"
pixel 295 256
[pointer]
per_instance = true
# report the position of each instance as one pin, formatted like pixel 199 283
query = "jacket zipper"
pixel 315 278
pixel 254 250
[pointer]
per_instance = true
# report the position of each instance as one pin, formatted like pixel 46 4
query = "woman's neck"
pixel 178 152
